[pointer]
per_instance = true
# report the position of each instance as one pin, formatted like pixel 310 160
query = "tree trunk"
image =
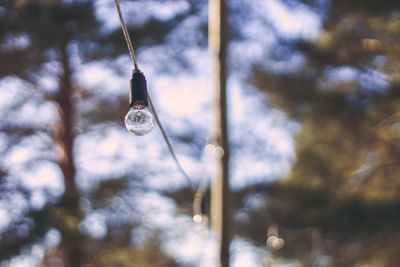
pixel 69 219
pixel 220 191
pixel 65 131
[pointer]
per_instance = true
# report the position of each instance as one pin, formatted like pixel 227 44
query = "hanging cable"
pixel 136 69
pixel 127 37
pixel 170 148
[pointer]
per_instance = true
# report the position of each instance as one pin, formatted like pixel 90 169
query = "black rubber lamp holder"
pixel 138 93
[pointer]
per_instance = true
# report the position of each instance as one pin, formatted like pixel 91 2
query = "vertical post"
pixel 220 191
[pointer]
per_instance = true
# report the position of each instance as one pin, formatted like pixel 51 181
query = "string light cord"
pixel 136 69
pixel 127 37
pixel 170 147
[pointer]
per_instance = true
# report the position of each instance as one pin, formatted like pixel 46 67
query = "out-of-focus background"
pixel 314 133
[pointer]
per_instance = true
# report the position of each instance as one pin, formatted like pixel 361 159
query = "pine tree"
pixel 339 206
pixel 34 34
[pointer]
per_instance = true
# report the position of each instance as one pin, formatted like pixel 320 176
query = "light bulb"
pixel 139 120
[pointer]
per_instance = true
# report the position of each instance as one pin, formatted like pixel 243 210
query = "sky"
pixel 261 138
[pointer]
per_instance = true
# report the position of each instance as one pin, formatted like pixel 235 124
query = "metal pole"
pixel 221 220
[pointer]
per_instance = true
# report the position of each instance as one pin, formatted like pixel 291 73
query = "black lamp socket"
pixel 138 89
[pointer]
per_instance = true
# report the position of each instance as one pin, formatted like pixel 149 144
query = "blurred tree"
pixel 34 35
pixel 339 206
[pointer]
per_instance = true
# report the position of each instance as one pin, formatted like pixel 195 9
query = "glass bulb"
pixel 139 120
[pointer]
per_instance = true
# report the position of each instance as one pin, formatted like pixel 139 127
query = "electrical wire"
pixel 127 37
pixel 136 69
pixel 170 148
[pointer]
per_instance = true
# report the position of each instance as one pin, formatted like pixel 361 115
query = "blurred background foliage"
pixel 338 206
pixel 36 40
